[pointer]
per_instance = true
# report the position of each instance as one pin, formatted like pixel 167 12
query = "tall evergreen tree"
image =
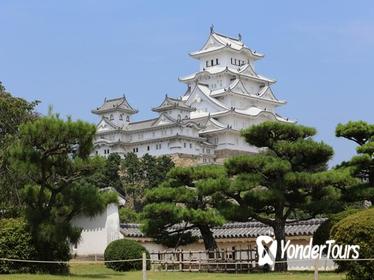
pixel 54 155
pixel 14 111
pixel 140 174
pixel 133 181
pixel 361 166
pixel 181 203
pixel 109 175
pixel 287 177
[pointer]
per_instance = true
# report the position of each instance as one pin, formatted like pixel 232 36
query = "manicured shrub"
pixel 16 243
pixel 322 234
pixel 125 249
pixel 357 229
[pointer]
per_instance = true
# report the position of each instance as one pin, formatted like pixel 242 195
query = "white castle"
pixel 203 125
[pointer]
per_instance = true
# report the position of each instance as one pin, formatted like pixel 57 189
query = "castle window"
pixel 207 63
pixel 121 117
pixel 179 117
pixel 216 61
pixel 231 61
pixel 127 118
pixel 190 145
pixel 212 62
pixel 111 117
pixel 148 148
pixel 185 144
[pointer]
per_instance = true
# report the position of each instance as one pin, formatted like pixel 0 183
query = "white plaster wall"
pixel 251 86
pixel 224 59
pixel 118 118
pixel 97 232
pixel 178 114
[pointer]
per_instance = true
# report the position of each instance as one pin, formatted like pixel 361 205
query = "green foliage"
pixel 125 249
pixel 361 166
pixel 108 176
pixel 13 112
pixel 108 198
pixel 357 229
pixel 15 243
pixel 140 174
pixel 54 155
pixel 185 199
pixel 322 234
pixel 128 215
pixel 286 178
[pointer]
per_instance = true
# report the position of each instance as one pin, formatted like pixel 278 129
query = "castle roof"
pixel 251 229
pixel 251 111
pixel 241 71
pixel 114 105
pixel 172 103
pixel 217 41
pixel 237 88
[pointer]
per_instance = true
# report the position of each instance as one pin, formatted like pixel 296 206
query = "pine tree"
pixel 14 112
pixel 181 203
pixel 287 177
pixel 140 174
pixel 361 166
pixel 54 155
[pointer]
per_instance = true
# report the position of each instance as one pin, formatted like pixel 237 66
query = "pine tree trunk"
pixel 280 234
pixel 209 241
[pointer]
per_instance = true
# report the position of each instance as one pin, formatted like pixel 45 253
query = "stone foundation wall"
pixel 184 160
pixel 222 155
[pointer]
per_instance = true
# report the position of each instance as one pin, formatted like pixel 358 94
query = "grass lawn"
pixel 98 271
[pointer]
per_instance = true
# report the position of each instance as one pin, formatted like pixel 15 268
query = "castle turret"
pixel 118 111
pixel 175 108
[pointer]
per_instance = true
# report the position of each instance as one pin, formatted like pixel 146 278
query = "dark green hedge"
pixel 322 234
pixel 16 243
pixel 125 249
pixel 357 229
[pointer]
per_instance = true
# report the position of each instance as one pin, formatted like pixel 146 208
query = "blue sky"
pixel 72 54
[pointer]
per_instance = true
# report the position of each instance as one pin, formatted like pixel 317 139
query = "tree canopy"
pixel 54 155
pixel 14 111
pixel 139 174
pixel 360 166
pixel 287 179
pixel 181 203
